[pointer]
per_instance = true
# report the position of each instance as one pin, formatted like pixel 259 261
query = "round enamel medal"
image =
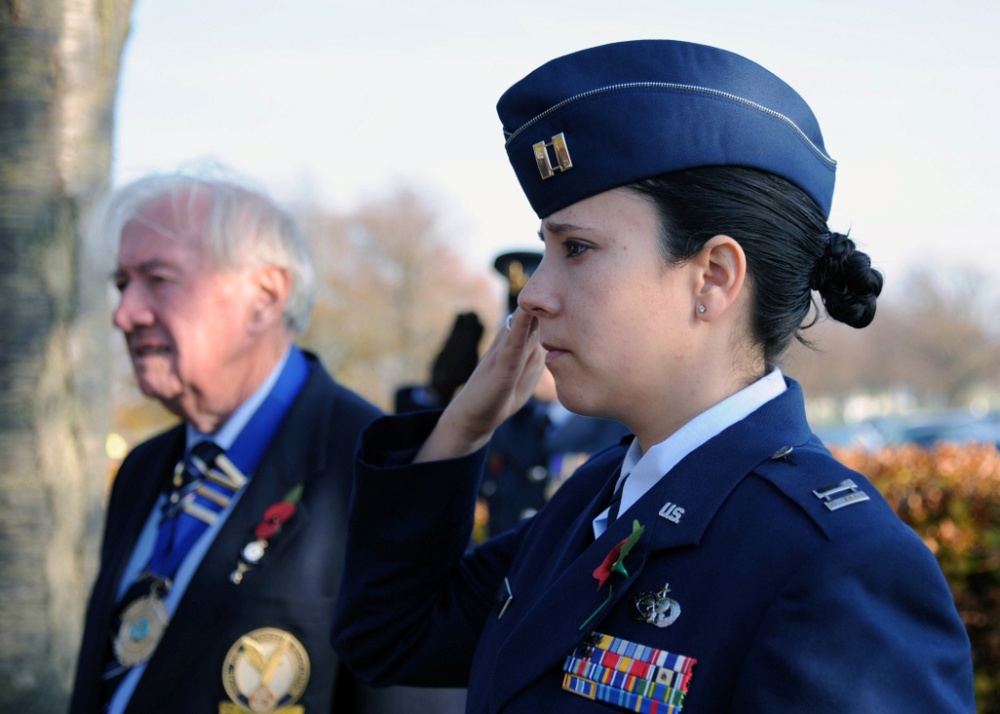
pixel 143 623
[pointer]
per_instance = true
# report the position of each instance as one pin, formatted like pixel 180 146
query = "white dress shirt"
pixel 640 472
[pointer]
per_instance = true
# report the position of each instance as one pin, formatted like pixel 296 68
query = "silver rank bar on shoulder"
pixel 841 494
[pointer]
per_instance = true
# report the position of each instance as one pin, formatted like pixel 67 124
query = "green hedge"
pixel 950 495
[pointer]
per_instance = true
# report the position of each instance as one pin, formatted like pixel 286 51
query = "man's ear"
pixel 271 287
pixel 721 273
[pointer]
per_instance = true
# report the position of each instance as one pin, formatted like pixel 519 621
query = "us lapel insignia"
pixel 265 671
pixel 672 512
pixel 656 608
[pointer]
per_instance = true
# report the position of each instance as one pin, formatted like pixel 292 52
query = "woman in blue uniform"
pixel 723 561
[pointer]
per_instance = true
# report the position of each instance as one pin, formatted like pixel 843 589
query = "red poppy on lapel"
pixel 275 517
pixel 603 571
pixel 278 514
pixel 614 562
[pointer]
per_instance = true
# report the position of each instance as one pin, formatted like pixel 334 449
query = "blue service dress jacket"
pixel 292 588
pixel 743 592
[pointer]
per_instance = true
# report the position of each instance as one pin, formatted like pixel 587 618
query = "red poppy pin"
pixel 614 562
pixel 276 516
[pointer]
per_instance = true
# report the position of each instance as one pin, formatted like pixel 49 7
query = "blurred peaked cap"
pixel 517 267
pixel 616 114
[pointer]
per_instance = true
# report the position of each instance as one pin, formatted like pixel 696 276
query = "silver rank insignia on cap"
pixel 563 161
pixel 266 670
pixel 838 495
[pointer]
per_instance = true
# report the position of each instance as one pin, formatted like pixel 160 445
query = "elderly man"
pixel 222 549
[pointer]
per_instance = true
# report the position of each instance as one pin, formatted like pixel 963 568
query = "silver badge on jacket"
pixel 656 608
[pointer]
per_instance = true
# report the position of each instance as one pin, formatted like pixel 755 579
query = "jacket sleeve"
pixel 866 625
pixel 414 598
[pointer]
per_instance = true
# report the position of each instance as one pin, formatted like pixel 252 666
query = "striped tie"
pixel 204 485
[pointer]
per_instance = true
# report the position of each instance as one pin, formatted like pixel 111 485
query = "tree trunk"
pixel 59 62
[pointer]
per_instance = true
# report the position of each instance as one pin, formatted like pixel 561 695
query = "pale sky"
pixel 342 99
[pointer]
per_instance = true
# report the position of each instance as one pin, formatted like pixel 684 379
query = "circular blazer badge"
pixel 265 671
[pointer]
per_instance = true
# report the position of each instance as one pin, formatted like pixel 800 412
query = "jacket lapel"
pixel 147 479
pixel 143 477
pixel 699 485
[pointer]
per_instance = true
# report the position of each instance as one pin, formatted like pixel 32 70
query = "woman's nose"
pixel 536 296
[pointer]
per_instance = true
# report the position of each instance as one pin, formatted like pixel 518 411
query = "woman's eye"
pixel 574 248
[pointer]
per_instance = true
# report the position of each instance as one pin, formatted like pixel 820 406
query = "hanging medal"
pixel 142 626
pixel 183 522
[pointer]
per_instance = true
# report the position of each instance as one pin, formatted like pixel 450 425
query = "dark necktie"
pixel 616 501
pixel 201 489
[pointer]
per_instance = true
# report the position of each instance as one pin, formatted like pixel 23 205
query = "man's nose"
pixel 132 310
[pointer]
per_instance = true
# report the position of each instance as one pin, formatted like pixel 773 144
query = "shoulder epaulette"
pixel 823 487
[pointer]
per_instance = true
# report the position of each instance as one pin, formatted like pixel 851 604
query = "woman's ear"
pixel 721 269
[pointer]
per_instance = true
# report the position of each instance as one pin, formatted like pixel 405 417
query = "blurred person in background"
pixel 449 370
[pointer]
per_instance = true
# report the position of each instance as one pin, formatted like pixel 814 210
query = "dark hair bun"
pixel 846 282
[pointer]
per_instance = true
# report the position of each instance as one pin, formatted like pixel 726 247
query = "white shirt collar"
pixel 644 470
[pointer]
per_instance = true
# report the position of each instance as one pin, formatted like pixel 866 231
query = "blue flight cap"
pixel 619 113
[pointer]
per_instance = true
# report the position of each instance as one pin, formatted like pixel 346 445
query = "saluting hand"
pixel 500 385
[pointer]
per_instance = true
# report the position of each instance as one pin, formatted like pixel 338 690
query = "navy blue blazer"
pixel 782 603
pixel 292 589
